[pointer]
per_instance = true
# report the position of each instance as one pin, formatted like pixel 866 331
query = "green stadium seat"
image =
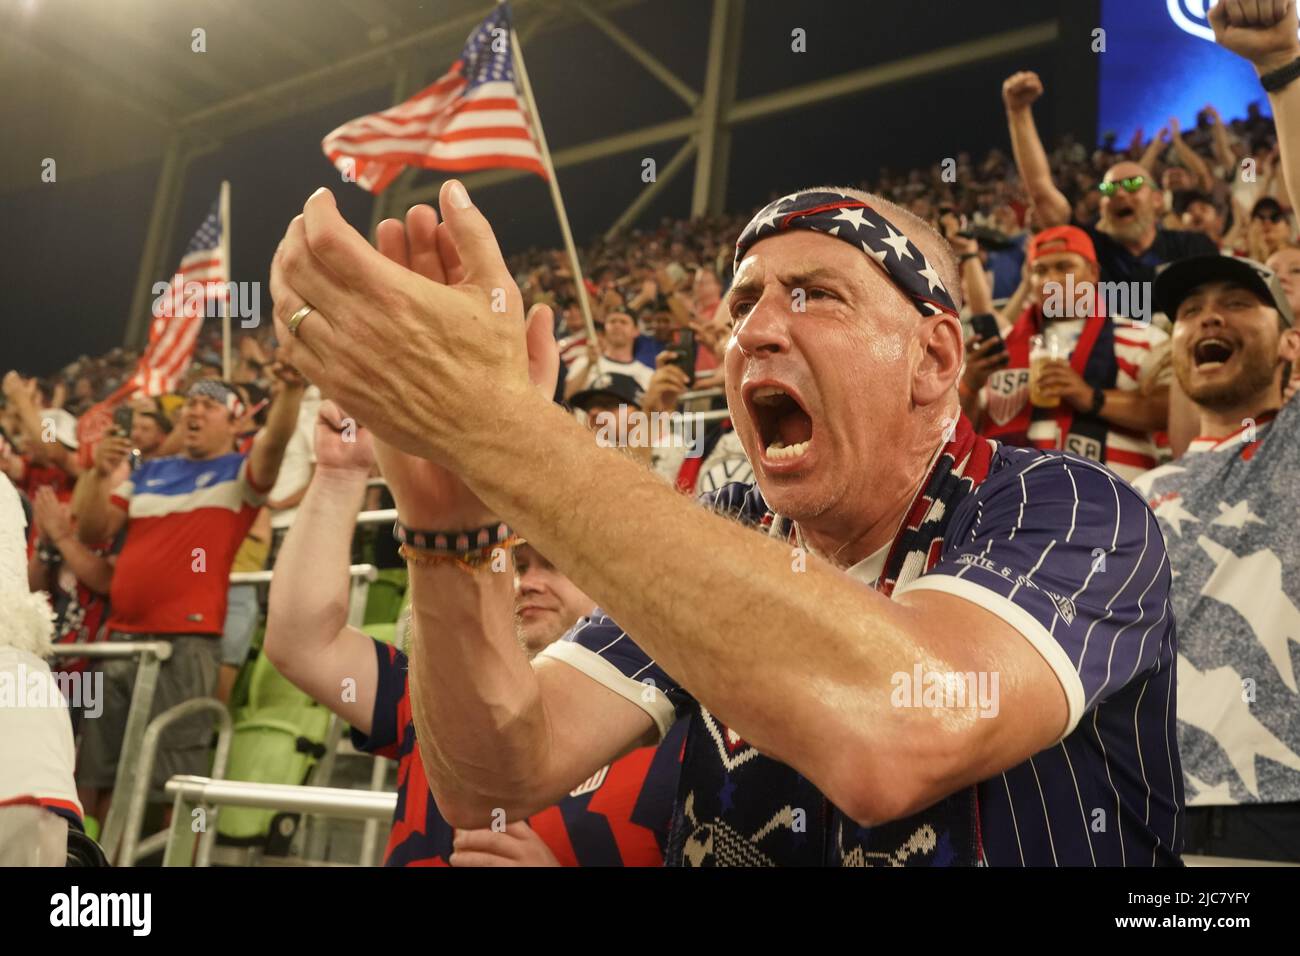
pixel 277 744
pixel 386 596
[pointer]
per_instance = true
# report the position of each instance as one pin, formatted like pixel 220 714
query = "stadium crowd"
pixel 1183 249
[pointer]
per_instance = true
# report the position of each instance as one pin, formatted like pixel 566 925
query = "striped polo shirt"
pixel 1073 560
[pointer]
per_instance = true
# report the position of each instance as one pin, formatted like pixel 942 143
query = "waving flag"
pixel 472 117
pixel 201 279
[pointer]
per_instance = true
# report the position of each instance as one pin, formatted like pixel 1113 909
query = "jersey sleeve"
pixel 604 652
pixel 383 739
pixel 1071 557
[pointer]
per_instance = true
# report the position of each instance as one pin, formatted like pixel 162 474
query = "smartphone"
pixel 123 420
pixel 684 349
pixel 985 327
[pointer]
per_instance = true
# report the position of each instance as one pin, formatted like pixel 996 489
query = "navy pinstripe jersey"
pixel 1071 557
pixel 618 817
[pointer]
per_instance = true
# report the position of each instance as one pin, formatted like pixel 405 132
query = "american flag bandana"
pixel 855 222
pixel 219 392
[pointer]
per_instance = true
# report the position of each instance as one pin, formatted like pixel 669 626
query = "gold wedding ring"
pixel 296 319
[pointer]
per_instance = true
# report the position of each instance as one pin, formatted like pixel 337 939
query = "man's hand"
pixel 1058 379
pixel 424 362
pixel 53 519
pixel 341 444
pixel 283 376
pixel 983 358
pixel 517 845
pixel 666 385
pixel 110 453
pixel 1261 31
pixel 1020 90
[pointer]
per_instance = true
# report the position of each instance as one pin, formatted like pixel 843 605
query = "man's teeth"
pixel 777 450
pixel 767 393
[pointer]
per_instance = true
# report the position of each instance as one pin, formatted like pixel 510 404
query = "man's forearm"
pixel 91 507
pixel 1031 161
pixel 712 579
pixel 93 570
pixel 309 590
pixel 1286 117
pixel 273 439
pixel 475 698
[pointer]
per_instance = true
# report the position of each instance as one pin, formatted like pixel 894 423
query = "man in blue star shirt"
pixel 902 645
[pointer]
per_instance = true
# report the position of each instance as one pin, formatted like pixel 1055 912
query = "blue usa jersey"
pixel 618 817
pixel 1071 558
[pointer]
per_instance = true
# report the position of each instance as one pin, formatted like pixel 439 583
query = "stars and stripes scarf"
pixel 947 833
pixel 854 221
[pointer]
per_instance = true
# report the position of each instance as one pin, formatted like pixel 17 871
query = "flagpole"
pixel 225 294
pixel 556 198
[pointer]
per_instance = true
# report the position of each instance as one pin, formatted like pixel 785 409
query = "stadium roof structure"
pixel 156 98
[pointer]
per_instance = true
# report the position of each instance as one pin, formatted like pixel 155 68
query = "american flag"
pixel 179 312
pixel 469 118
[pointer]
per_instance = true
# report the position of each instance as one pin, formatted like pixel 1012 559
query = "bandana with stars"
pixel 855 222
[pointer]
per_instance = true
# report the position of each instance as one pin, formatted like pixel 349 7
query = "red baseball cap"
pixel 1062 239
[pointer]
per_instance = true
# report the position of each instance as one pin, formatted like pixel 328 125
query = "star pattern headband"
pixel 857 223
pixel 220 393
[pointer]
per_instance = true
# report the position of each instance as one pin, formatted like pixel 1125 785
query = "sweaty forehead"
pixel 803 252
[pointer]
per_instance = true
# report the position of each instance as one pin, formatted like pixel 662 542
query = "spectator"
pixel 648 347
pixel 77 578
pixel 1228 513
pixel 1269 229
pixel 48 436
pixel 1129 241
pixel 844 412
pixel 1198 212
pixel 614 356
pixel 184 518
pixel 1107 386
pixel 618 817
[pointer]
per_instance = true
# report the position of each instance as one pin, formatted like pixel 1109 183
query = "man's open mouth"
pixel 784 427
pixel 1212 352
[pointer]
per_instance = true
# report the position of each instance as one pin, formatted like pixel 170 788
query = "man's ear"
pixel 942 353
pixel 1288 345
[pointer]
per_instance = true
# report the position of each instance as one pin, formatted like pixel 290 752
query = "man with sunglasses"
pixel 1128 237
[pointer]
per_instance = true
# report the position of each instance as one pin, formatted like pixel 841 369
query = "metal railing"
pixel 151 655
pixel 120 837
pixel 189 793
pixel 131 847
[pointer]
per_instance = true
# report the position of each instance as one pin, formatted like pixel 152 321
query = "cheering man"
pixel 924 649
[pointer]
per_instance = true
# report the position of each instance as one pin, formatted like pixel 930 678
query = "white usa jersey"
pixel 1230 513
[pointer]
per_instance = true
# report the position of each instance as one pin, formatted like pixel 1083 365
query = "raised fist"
pixel 1261 31
pixel 1020 90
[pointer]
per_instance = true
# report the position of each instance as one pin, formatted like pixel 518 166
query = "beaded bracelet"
pixel 453 542
pixel 469 563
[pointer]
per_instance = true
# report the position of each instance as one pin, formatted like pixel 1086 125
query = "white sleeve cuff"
pixel 1024 622
pixel 646 696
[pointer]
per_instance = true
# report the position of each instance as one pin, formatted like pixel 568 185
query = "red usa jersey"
pixel 618 817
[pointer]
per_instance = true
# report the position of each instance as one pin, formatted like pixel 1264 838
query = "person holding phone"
pixel 1105 394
